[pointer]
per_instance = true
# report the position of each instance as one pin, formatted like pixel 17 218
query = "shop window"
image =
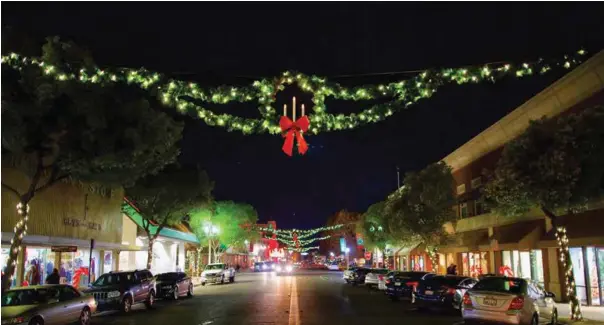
pixel 592 272
pixel 465 264
pixel 461 189
pixel 107 261
pixel 39 263
pixel 576 256
pixel 417 263
pixel 5 251
pixel 442 264
pixel 77 268
pixel 463 210
pixel 537 266
pixel 600 262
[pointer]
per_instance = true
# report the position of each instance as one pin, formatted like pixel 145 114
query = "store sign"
pixel 81 223
pixel 367 255
pixel 342 244
pixel 70 249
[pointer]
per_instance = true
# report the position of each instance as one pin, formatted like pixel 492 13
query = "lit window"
pixel 461 189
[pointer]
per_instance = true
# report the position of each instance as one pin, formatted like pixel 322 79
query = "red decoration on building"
pixel 292 129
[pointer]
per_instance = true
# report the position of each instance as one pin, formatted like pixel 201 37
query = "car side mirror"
pixel 549 294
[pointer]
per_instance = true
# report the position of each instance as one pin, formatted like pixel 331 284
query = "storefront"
pixel 523 264
pixel 588 267
pixel 63 223
pixel 474 264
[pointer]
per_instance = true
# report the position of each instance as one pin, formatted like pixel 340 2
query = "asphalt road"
pixel 310 297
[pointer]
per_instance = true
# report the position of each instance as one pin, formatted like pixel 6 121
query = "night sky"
pixel 234 43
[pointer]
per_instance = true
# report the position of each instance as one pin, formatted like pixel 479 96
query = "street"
pixel 309 297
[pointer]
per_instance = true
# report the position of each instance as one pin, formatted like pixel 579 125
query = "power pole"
pixel 398 178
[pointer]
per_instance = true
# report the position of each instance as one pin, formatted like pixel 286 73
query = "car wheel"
pixel 150 300
pixel 175 297
pixel 190 291
pixel 36 321
pixel 222 280
pixel 555 317
pixel 85 316
pixel 203 283
pixel 126 305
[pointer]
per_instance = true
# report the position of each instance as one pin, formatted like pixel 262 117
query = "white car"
pixel 333 267
pixel 372 278
pixel 382 280
pixel 508 300
pixel 284 268
pixel 217 273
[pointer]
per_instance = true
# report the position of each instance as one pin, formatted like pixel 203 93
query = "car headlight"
pixel 273 266
pixel 278 268
pixel 14 320
pixel 263 266
pixel 113 294
pixel 289 268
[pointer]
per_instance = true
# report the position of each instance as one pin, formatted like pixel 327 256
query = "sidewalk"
pixel 589 312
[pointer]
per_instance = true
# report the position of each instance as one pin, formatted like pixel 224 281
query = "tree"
pixel 233 222
pixel 348 232
pixel 556 165
pixel 373 228
pixel 423 205
pixel 165 198
pixel 68 131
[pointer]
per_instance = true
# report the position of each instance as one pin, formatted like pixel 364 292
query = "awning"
pixel 47 241
pixel 468 241
pixel 405 249
pixel 517 236
pixel 168 232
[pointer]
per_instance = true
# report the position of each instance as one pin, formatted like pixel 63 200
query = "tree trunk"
pixel 150 251
pixel 433 255
pixel 571 289
pixel 20 231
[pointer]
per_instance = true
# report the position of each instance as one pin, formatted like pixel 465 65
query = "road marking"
pixel 294 309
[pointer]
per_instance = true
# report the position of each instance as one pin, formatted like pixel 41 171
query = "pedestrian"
pixel 454 270
pixel 54 277
pixel 450 269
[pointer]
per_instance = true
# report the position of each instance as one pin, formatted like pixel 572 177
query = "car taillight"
pixel 450 291
pixel 412 284
pixel 381 277
pixel 388 281
pixel 517 303
pixel 466 300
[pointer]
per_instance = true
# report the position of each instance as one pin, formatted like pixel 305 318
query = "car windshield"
pixel 380 271
pixel 515 286
pixel 168 276
pixel 214 267
pixel 412 275
pixel 28 297
pixel 114 279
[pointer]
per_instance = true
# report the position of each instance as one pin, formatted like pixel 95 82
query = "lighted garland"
pixel 303 249
pixel 288 233
pixel 302 242
pixel 184 96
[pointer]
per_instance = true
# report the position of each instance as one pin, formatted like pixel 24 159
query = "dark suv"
pixel 121 290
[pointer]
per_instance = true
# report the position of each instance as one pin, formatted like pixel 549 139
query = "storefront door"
pixel 588 268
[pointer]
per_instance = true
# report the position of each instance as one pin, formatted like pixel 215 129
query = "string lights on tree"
pixel 575 304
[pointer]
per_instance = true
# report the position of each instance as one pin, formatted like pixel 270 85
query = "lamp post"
pixel 346 250
pixel 210 230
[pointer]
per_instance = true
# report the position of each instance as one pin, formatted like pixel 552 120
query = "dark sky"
pixel 218 43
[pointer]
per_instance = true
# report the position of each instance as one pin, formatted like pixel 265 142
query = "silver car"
pixel 46 304
pixel 509 301
pixel 372 279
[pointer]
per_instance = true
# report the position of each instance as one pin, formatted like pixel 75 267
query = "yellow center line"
pixel 294 309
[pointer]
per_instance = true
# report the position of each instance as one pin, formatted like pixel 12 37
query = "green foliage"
pixel 423 205
pixel 556 164
pixel 166 197
pixel 109 135
pixel 233 220
pixel 373 227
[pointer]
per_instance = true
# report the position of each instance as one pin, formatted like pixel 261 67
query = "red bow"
pixel 301 125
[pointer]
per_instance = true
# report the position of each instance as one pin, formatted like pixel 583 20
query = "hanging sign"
pixel 70 249
pixel 367 255
pixel 342 244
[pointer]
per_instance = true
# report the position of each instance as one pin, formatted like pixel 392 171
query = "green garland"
pixel 188 96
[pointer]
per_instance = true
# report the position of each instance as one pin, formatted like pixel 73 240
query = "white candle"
pixel 294 109
pixel 284 109
pixel 302 109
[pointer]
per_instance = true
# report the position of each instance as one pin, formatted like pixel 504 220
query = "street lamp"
pixel 210 231
pixel 347 250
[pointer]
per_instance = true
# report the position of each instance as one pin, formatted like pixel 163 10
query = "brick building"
pixel 524 245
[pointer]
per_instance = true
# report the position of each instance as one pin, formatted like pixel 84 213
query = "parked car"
pixel 402 285
pixel 510 301
pixel 358 275
pixel 443 292
pixel 121 290
pixel 333 266
pixel 382 278
pixel 372 278
pixel 173 285
pixel 263 266
pixel 217 273
pixel 47 304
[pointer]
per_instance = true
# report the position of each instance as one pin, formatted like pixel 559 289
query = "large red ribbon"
pixel 294 129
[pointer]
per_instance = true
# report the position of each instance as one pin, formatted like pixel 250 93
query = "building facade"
pixel 524 246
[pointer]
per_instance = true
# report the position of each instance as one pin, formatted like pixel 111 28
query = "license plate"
pixel 398 284
pixel 429 292
pixel 490 301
